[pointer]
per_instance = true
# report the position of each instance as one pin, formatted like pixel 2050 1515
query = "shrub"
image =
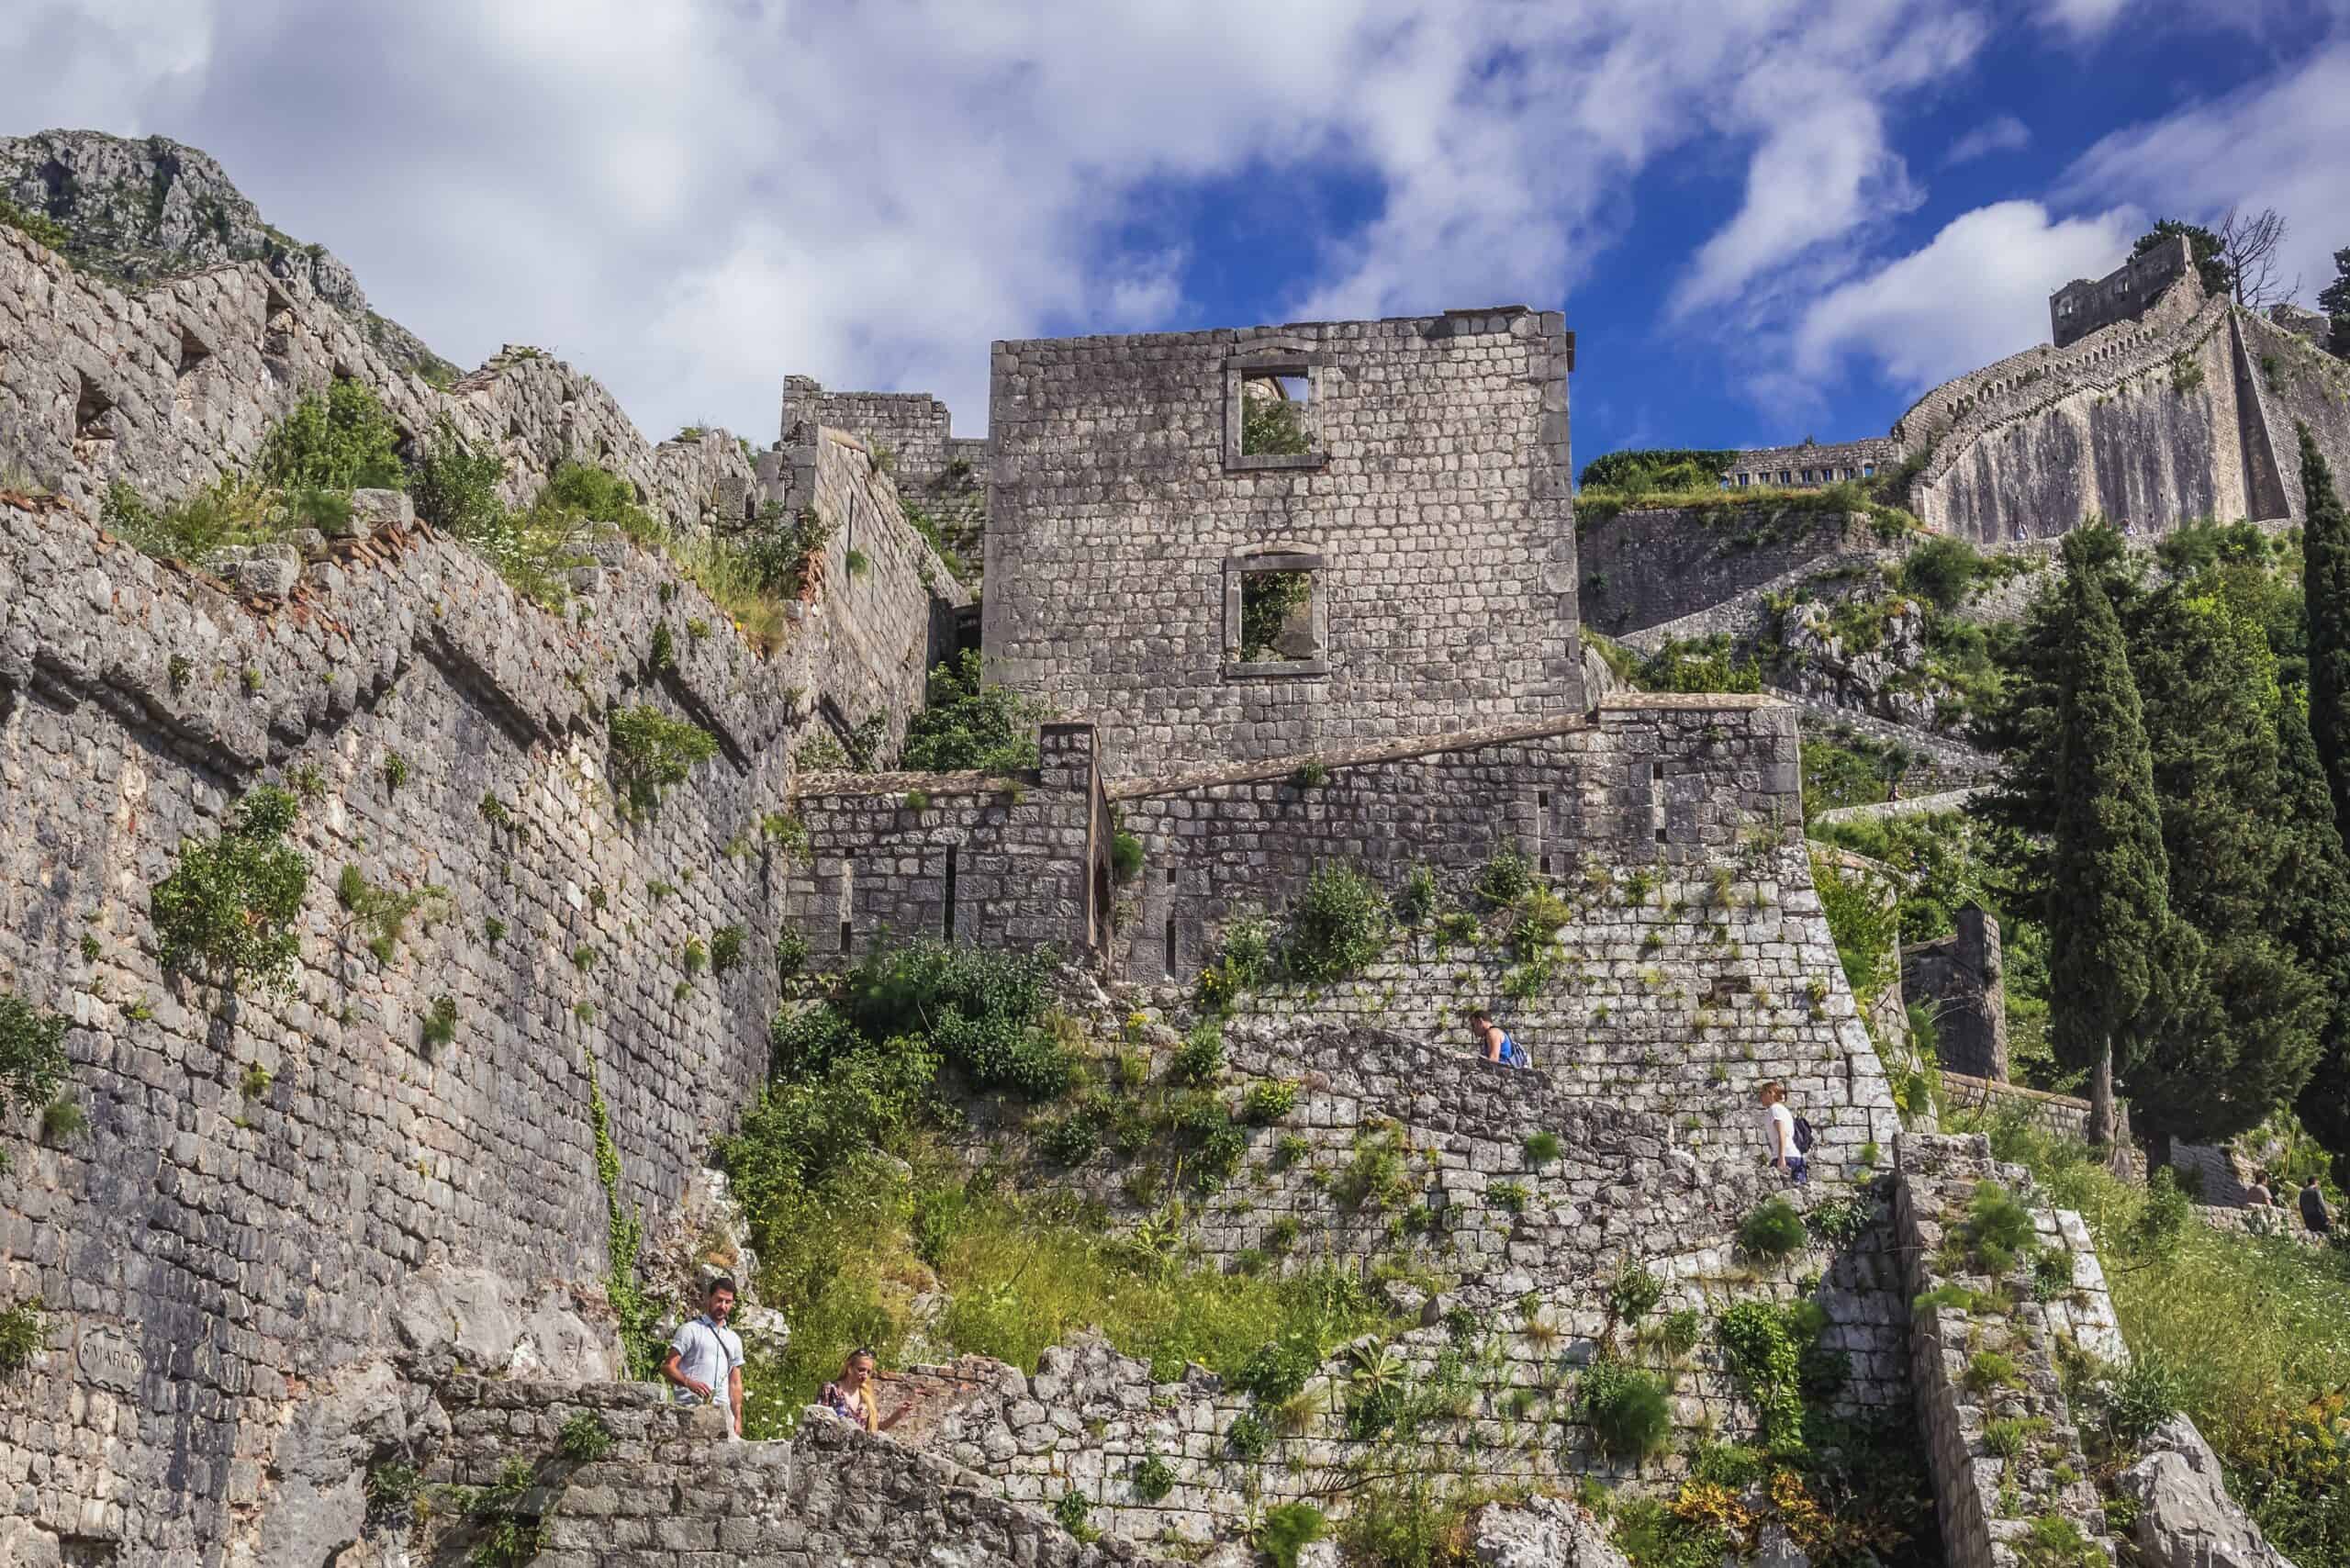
pixel 791 952
pixel 230 904
pixel 1249 1436
pixel 1071 1139
pixel 1267 1103
pixel 1988 1370
pixel 2142 1396
pixel 968 723
pixel 1839 1221
pixel 584 1438
pixel 982 1008
pixel 441 1022
pixel 2055 1541
pixel 1510 1195
pixel 63 1118
pixel 1200 1056
pixel 391 1489
pixel 652 751
pixel 1153 1477
pixel 1506 876
pixel 1763 1351
pixel 1336 926
pixel 1997 1227
pixel 455 488
pixel 1416 901
pixel 1939 569
pixel 725 949
pixel 1773 1231
pixel 1627 1410
pixel 1543 1148
pixel 340 441
pixel 1272 427
pixel 1126 856
pixel 1634 1291
pixel 384 911
pixel 1286 1530
pixel 22 1333
pixel 2009 1437
pixel 1073 1513
pixel 33 1063
pixel 1279 1370
pixel 695 956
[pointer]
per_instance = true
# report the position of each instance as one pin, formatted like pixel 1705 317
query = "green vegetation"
pixel 23 1331
pixel 386 913
pixel 1646 469
pixel 1627 1410
pixel 1287 1529
pixel 230 904
pixel 1270 602
pixel 37 226
pixel 638 1313
pixel 1337 925
pixel 1272 426
pixel 651 752
pixel 971 724
pixel 2244 1334
pixel 1764 1352
pixel 33 1063
pixel 1703 664
pixel 342 440
pixel 1772 1230
pixel 584 1438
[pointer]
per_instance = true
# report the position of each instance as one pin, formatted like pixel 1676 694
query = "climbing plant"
pixel 639 1313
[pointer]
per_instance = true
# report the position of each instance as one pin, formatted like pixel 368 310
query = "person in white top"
pixel 1779 1133
pixel 705 1356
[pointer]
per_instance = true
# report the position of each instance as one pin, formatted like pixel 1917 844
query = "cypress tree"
pixel 2325 591
pixel 2229 1037
pixel 2312 886
pixel 2107 900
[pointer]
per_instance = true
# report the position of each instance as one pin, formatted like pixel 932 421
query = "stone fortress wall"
pixel 1644 568
pixel 1434 514
pixel 289 1192
pixel 1810 465
pixel 2124 294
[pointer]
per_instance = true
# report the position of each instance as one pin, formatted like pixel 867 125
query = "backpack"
pixel 1514 1054
pixel 1803 1135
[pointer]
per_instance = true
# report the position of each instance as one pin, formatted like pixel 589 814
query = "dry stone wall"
pixel 167 389
pixel 1433 512
pixel 277 1189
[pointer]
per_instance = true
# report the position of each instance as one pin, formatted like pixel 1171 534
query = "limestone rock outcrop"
pixel 2186 1518
pixel 1541 1532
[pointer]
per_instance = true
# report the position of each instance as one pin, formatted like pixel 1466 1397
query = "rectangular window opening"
pixel 1542 800
pixel 845 936
pixel 948 900
pixel 1546 865
pixel 1273 405
pixel 1170 960
pixel 1656 770
pixel 1277 618
pixel 1659 834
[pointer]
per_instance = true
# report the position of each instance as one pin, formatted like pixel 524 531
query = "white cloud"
pixel 1976 293
pixel 2000 133
pixel 690 199
pixel 2082 18
pixel 2275 143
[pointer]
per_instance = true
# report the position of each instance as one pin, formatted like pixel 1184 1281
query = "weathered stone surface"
pixel 2186 1518
pixel 1542 1532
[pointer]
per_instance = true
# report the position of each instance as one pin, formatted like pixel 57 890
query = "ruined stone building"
pixel 378 1215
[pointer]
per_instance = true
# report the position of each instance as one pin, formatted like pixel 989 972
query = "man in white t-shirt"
pixel 1779 1132
pixel 706 1356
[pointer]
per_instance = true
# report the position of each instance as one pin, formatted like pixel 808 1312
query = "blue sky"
pixel 1765 219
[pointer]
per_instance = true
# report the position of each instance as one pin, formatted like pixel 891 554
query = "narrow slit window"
pixel 948 898
pixel 1170 960
pixel 844 932
pixel 1273 414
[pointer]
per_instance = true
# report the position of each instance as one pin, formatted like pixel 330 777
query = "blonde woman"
pixel 850 1396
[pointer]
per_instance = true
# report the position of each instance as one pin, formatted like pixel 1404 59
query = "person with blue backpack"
pixel 1493 1042
pixel 1789 1135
